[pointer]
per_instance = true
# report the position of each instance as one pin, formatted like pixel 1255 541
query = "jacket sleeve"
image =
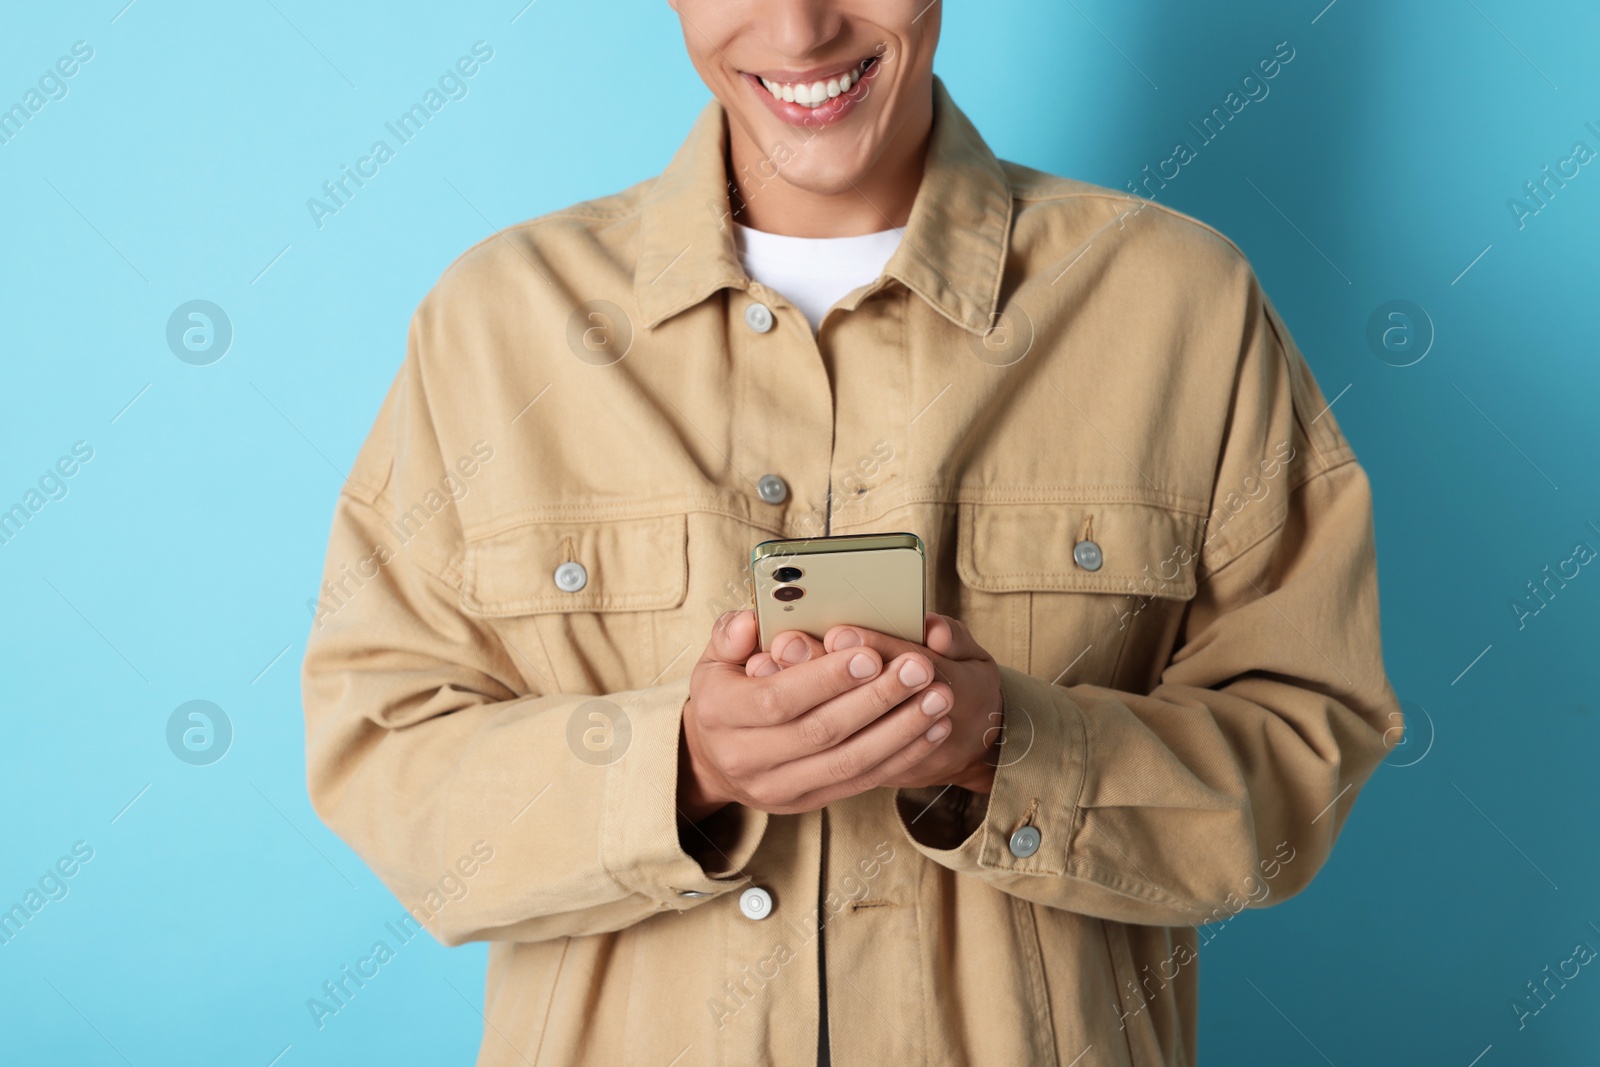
pixel 432 743
pixel 1226 785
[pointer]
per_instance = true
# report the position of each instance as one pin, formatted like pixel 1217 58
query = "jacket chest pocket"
pixel 1076 593
pixel 576 602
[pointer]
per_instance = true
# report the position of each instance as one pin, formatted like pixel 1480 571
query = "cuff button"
pixel 1025 842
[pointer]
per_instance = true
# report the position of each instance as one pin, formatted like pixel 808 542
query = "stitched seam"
pixel 1112 195
pixel 1122 1006
pixel 420 564
pixel 555 981
pixel 1229 560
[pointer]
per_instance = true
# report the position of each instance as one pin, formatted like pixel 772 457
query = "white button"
pixel 1025 842
pixel 773 489
pixel 571 577
pixel 1087 554
pixel 755 902
pixel 758 317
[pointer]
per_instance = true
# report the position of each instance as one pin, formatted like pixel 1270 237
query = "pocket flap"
pixel 1145 549
pixel 628 564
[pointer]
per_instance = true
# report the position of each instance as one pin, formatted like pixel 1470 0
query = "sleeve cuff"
pixel 640 840
pixel 1037 784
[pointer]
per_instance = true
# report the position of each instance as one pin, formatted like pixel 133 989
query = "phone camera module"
pixel 787 574
pixel 788 593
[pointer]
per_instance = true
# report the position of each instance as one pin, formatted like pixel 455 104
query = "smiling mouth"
pixel 814 94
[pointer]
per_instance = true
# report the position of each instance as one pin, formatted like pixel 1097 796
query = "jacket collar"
pixel 952 252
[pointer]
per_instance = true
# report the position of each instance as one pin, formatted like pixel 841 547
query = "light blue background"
pixel 179 564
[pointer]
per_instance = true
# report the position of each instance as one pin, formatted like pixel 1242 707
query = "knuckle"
pixel 767 706
pixel 888 691
pixel 817 730
pixel 735 764
pixel 763 796
pixel 844 765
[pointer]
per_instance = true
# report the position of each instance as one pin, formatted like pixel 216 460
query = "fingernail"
pixel 767 667
pixel 846 639
pixel 912 673
pixel 937 731
pixel 934 703
pixel 796 652
pixel 861 666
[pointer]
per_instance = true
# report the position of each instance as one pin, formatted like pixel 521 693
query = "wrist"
pixel 694 801
pixel 979 778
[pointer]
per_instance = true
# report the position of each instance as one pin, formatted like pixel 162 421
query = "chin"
pixel 829 177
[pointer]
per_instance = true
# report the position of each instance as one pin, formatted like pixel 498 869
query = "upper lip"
pixel 810 74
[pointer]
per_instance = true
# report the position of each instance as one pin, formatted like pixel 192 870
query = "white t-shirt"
pixel 812 273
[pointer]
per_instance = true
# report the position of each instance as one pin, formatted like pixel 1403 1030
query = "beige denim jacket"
pixel 1131 489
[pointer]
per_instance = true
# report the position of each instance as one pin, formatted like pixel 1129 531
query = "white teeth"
pixel 811 94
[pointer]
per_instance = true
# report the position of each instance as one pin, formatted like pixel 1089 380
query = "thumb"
pixel 733 638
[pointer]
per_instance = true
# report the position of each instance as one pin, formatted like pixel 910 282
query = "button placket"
pixel 755 903
pixel 758 317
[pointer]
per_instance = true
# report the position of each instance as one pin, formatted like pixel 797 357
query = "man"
pixel 1149 691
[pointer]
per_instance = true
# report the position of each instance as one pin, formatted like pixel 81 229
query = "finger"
pixel 886 645
pixel 760 665
pixel 830 723
pixel 784 695
pixel 792 647
pixel 847 636
pixel 890 746
pixel 950 638
pixel 733 637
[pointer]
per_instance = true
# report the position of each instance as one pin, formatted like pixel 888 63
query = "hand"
pixel 841 723
pixel 969 759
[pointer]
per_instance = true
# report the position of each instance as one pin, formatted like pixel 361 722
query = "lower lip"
pixel 834 111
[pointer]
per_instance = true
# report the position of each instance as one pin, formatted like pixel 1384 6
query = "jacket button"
pixel 773 489
pixel 1087 554
pixel 571 577
pixel 755 902
pixel 1025 842
pixel 758 317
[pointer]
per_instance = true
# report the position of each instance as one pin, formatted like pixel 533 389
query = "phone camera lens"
pixel 787 593
pixel 787 574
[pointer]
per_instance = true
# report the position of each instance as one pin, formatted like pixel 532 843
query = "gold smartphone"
pixel 815 583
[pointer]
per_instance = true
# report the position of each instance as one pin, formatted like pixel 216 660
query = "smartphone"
pixel 815 583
